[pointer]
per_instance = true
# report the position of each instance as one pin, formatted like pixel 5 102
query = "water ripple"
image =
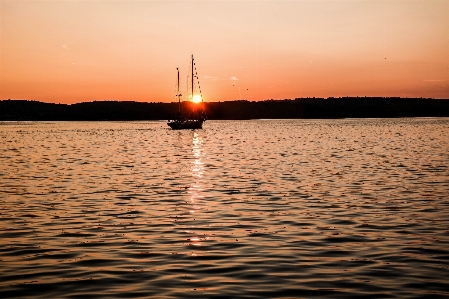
pixel 247 209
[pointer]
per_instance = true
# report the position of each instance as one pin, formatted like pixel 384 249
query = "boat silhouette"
pixel 194 118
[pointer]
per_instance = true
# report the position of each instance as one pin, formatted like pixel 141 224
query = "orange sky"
pixel 77 51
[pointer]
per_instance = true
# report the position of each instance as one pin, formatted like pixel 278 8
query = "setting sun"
pixel 196 98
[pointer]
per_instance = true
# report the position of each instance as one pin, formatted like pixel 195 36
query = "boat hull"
pixel 186 124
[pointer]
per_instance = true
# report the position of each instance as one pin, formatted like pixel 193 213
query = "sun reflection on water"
pixel 197 169
pixel 195 189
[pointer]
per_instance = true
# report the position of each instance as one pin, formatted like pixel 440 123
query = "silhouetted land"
pixel 347 107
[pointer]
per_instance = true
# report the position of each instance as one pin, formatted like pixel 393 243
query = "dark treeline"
pixel 347 107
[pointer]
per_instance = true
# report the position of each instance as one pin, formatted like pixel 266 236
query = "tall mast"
pixel 192 77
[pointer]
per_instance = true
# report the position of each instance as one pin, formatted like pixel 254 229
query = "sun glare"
pixel 196 98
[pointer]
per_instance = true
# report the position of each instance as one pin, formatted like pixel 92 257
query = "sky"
pixel 78 51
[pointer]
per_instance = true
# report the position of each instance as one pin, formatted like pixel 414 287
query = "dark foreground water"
pixel 278 208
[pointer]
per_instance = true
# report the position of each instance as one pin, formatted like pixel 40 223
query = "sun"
pixel 196 98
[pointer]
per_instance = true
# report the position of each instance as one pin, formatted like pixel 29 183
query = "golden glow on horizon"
pixel 196 98
pixel 78 51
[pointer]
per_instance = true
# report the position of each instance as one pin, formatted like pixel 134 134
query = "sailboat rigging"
pixel 196 117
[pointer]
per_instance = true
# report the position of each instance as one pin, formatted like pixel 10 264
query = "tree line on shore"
pixel 345 107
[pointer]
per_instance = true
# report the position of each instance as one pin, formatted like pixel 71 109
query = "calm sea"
pixel 355 208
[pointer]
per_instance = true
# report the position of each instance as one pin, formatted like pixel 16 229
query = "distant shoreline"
pixel 299 108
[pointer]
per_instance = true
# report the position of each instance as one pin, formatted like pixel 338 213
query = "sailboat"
pixel 192 120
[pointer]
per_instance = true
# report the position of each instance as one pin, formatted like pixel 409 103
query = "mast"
pixel 192 77
pixel 179 96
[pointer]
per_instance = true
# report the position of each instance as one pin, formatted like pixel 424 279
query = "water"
pixel 244 209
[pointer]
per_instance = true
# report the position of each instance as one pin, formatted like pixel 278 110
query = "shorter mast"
pixel 179 96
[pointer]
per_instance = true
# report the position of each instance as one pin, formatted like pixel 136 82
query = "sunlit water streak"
pixel 244 209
